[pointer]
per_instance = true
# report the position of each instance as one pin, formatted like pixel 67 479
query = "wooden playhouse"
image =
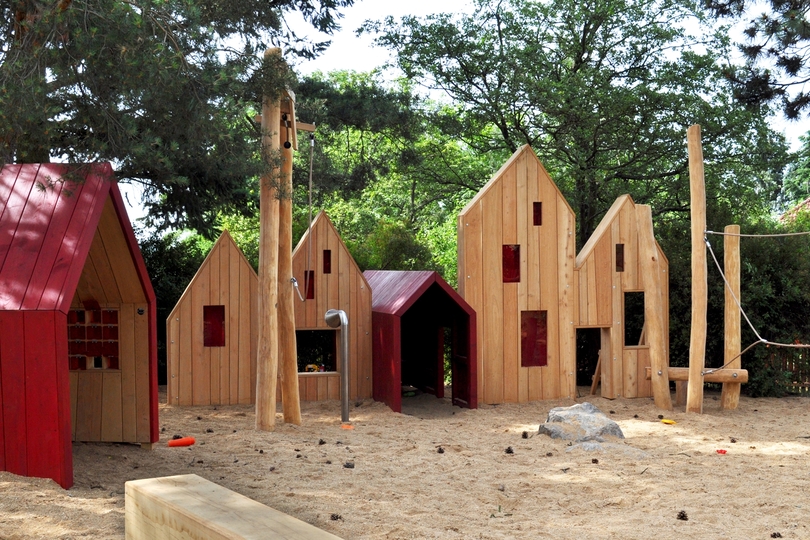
pixel 516 254
pixel 418 319
pixel 78 354
pixel 608 275
pixel 329 278
pixel 516 246
pixel 211 353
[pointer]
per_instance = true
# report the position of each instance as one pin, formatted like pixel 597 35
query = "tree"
pixel 163 88
pixel 602 90
pixel 776 51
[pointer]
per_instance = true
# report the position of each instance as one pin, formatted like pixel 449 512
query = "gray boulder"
pixel 579 423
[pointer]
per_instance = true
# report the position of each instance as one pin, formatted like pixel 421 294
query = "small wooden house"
pixel 417 317
pixel 211 354
pixel 329 278
pixel 608 275
pixel 516 252
pixel 78 353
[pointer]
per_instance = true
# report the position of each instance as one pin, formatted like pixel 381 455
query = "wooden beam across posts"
pixel 720 376
pixel 653 307
pixel 287 349
pixel 697 342
pixel 267 359
pixel 730 396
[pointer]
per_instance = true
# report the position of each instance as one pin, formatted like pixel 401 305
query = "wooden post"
pixel 287 350
pixel 267 360
pixel 730 396
pixel 697 342
pixel 653 307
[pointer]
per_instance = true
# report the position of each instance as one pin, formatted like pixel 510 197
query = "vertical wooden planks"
pixel 111 408
pixel 213 354
pixel 173 356
pixel 730 395
pixel 186 382
pixel 242 381
pixel 142 372
pixel 128 365
pixel 566 298
pixel 616 303
pixel 88 411
pixel 492 305
pixel 511 313
pixel 470 233
pixel 200 375
pixel 549 275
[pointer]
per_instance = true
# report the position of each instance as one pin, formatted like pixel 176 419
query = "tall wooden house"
pixel 78 354
pixel 611 292
pixel 329 278
pixel 516 254
pixel 212 332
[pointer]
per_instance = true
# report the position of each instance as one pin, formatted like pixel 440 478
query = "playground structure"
pixel 516 245
pixel 78 353
pixel 329 278
pixel 417 316
pixel 211 332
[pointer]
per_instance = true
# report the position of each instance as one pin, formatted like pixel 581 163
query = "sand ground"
pixel 438 471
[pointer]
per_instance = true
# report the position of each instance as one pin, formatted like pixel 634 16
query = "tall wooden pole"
pixel 730 396
pixel 287 350
pixel 267 361
pixel 653 307
pixel 697 342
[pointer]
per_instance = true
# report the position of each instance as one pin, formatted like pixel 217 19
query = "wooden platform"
pixel 190 507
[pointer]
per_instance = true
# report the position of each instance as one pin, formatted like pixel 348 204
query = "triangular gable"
pixel 395 291
pixel 225 243
pixel 50 213
pixel 524 151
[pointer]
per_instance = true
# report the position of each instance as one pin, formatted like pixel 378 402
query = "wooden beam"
pixel 653 306
pixel 267 355
pixel 597 374
pixel 697 342
pixel 730 396
pixel 720 376
pixel 287 349
pixel 187 506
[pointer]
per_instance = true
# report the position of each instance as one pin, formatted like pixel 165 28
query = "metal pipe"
pixel 337 318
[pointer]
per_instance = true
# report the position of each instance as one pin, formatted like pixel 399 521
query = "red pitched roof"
pixel 48 217
pixel 395 291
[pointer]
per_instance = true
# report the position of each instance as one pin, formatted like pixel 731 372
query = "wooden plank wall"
pixel 113 404
pixel 502 213
pixel 343 288
pixel 601 291
pixel 199 375
pixel 35 400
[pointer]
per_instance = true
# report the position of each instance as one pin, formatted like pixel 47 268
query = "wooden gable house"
pixel 212 332
pixel 516 251
pixel 329 278
pixel 78 353
pixel 608 276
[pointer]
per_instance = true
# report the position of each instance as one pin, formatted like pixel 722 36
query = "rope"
pixel 760 339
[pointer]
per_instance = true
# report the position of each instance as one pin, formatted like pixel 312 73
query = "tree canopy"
pixel 162 88
pixel 777 52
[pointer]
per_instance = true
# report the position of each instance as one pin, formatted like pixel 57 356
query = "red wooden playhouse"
pixel 415 314
pixel 78 353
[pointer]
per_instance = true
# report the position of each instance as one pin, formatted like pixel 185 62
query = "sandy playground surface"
pixel 437 471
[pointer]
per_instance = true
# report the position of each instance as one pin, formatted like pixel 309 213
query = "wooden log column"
pixel 653 307
pixel 697 342
pixel 267 359
pixel 287 349
pixel 730 396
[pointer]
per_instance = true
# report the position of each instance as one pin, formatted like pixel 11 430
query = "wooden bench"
pixel 190 507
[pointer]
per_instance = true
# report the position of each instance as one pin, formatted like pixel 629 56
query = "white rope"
pixel 776 235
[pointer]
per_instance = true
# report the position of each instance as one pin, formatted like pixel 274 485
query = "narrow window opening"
pixel 214 326
pixel 533 338
pixel 634 319
pixel 537 211
pixel 310 282
pixel 511 263
pixel 317 350
pixel 620 257
pixel 327 261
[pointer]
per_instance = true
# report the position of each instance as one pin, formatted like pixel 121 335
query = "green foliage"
pixel 165 89
pixel 765 379
pixel 776 48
